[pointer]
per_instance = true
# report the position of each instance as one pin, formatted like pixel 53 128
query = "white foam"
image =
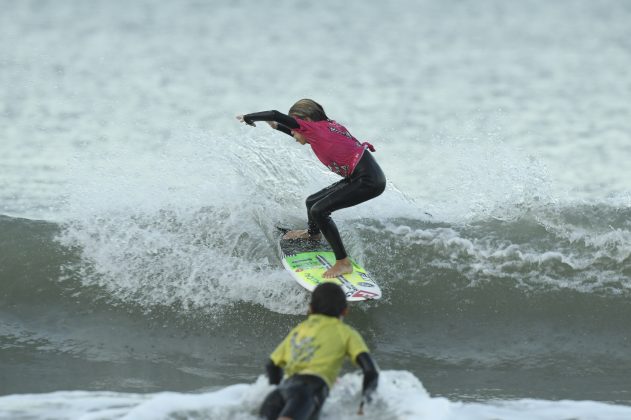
pixel 529 264
pixel 194 225
pixel 400 396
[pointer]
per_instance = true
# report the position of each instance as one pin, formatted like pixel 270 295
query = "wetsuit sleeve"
pixel 284 129
pixel 371 374
pixel 274 373
pixel 279 117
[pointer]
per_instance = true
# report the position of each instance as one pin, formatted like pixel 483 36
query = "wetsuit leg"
pixel 272 405
pixel 367 181
pixel 304 396
pixel 314 198
pixel 300 403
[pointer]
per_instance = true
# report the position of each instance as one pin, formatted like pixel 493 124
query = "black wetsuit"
pixel 365 182
pixel 301 397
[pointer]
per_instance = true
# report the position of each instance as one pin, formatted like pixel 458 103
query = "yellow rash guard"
pixel 318 346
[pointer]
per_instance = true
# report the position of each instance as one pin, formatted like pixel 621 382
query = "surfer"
pixel 311 356
pixel 344 155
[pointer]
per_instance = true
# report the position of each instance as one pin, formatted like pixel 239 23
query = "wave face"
pixel 500 298
pixel 208 258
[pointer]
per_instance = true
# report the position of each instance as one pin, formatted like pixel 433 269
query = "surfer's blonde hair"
pixel 308 108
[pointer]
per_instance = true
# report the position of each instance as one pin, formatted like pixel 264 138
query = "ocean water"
pixel 139 270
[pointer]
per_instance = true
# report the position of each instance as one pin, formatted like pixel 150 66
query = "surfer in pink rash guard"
pixel 343 154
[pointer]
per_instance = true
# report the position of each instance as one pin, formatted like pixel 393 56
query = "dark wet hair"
pixel 308 108
pixel 328 299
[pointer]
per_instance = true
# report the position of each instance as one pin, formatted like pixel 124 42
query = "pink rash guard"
pixel 333 145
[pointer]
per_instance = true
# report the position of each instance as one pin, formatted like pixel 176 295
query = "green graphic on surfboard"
pixel 306 260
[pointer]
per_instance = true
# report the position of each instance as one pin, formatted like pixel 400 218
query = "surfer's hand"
pixel 366 399
pixel 241 119
pixel 272 124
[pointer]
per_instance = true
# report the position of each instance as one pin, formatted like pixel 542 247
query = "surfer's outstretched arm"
pixel 278 117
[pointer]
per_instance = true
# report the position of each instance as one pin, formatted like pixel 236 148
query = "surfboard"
pixel 306 261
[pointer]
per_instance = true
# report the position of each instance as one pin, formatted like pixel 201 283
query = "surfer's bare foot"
pixel 341 267
pixel 301 234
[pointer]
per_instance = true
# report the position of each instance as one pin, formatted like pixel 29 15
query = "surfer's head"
pixel 328 299
pixel 308 109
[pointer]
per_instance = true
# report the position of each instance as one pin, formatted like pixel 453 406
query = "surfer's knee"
pixel 318 213
pixel 380 186
pixel 310 201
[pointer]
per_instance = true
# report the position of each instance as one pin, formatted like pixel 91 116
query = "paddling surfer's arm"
pixel 274 373
pixel 371 374
pixel 276 119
